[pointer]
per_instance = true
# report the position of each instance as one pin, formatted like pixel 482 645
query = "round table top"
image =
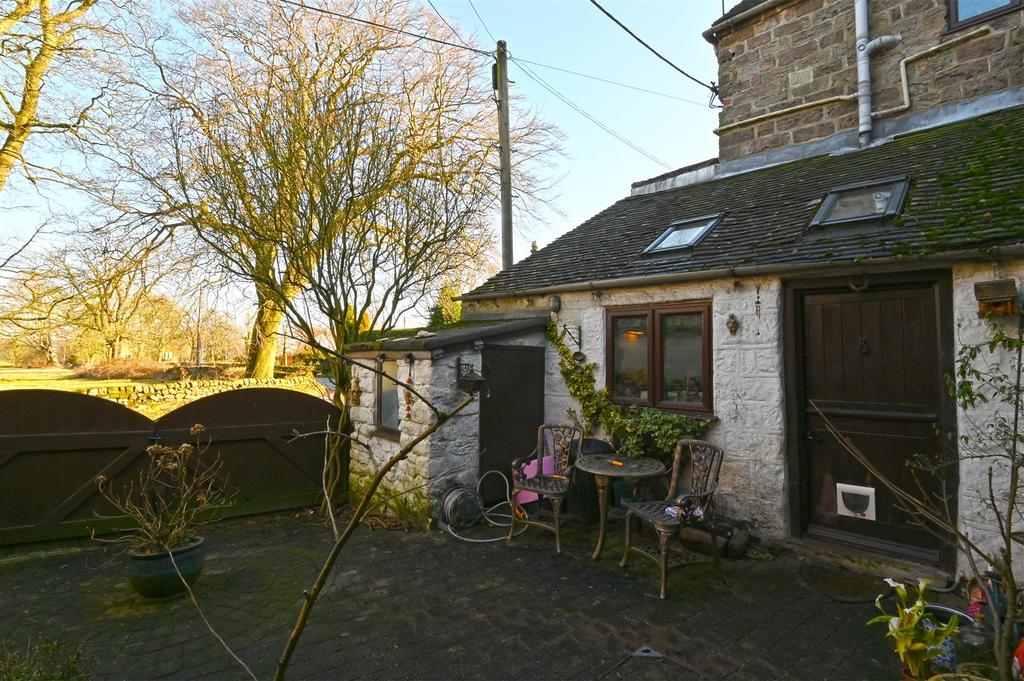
pixel 623 466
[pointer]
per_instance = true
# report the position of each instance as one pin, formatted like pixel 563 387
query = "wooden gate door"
pixel 873 361
pixel 511 410
pixel 54 444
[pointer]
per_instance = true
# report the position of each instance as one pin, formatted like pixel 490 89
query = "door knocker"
pixel 863 347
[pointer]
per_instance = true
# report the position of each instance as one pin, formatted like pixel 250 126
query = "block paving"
pixel 421 605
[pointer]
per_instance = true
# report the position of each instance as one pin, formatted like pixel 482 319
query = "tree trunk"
pixel 263 342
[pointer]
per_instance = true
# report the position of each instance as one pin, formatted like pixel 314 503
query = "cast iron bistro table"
pixel 603 468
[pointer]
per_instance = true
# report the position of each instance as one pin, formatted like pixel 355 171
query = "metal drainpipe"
pixel 866 48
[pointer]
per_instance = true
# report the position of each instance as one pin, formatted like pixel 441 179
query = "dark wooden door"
pixel 873 362
pixel 511 410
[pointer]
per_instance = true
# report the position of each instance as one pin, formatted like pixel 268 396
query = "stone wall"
pixel 804 51
pixel 156 399
pixel 749 387
pixel 975 511
pixel 748 382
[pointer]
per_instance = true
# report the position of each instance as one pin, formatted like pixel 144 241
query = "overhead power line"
pixel 711 86
pixel 484 23
pixel 450 27
pixel 544 84
pixel 610 82
pixel 366 22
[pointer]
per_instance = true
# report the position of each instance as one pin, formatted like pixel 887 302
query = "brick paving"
pixel 421 605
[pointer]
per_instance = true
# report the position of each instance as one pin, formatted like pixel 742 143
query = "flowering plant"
pixel 173 496
pixel 917 635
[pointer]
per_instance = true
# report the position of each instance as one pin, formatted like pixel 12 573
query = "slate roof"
pixel 462 333
pixel 966 191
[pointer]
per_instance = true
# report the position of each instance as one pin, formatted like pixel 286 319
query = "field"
pixel 12 378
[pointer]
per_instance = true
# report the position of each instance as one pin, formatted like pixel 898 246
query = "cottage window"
pixel 683 234
pixel 661 356
pixel 968 12
pixel 386 419
pixel 866 201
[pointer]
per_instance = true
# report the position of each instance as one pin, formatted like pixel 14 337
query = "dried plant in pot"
pixel 175 493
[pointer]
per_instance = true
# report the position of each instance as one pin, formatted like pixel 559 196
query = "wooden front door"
pixel 872 354
pixel 511 410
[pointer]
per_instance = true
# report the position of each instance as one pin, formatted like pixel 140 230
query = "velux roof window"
pixel 864 201
pixel 683 234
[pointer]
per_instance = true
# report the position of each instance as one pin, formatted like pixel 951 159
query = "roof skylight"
pixel 865 201
pixel 683 234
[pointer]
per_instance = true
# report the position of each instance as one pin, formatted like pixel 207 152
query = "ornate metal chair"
pixel 562 442
pixel 692 508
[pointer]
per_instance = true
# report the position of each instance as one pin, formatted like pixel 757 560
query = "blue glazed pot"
pixel 152 575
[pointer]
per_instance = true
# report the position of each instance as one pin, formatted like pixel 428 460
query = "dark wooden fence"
pixel 54 444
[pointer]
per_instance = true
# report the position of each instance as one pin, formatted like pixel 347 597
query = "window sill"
pixel 388 434
pixel 695 412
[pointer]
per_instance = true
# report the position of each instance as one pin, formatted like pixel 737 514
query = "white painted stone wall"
pixel 450 455
pixel 748 382
pixel 975 510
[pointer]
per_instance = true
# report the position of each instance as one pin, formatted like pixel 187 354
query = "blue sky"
pixel 573 34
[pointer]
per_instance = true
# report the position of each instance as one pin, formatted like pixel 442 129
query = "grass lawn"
pixel 12 378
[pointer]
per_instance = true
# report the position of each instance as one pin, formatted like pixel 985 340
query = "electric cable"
pixel 712 87
pixel 611 82
pixel 367 22
pixel 482 22
pixel 450 27
pixel 544 84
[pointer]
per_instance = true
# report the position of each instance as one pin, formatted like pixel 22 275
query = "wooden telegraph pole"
pixel 500 77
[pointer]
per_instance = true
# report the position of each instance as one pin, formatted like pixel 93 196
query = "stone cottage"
pixel 870 174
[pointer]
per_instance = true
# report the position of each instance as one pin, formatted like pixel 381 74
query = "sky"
pixel 575 35
pixel 597 168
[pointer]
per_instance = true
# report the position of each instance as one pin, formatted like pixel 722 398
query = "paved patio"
pixel 424 606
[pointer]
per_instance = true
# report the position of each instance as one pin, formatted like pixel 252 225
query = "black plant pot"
pixel 153 576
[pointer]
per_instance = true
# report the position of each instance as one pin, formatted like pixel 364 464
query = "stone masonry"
pixel 748 383
pixel 158 398
pixel 803 51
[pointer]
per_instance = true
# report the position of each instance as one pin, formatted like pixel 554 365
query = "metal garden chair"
pixel 694 507
pixel 562 442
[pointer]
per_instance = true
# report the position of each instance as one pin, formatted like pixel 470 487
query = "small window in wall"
pixel 968 12
pixel 387 398
pixel 661 356
pixel 855 203
pixel 683 234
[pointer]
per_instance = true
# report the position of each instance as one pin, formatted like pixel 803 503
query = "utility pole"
pixel 500 78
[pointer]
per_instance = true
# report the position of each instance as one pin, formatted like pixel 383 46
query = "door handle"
pixel 811 437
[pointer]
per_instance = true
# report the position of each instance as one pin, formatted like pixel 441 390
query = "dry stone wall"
pixel 155 399
pixel 804 51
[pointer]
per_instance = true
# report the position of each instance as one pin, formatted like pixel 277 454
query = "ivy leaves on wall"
pixel 635 430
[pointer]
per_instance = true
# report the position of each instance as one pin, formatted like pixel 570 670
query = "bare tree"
pixel 37 39
pixel 274 131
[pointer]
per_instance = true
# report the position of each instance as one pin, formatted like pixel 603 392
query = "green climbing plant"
pixel 636 431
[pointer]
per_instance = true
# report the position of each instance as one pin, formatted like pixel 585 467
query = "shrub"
pixel 131 369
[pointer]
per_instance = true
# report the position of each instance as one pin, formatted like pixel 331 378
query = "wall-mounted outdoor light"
pixel 997 298
pixel 357 392
pixel 468 380
pixel 733 324
pixel 478 345
pixel 554 303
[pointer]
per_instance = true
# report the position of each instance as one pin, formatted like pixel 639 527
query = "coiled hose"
pixel 461 497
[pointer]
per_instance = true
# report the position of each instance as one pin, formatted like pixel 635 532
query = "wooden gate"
pixel 54 444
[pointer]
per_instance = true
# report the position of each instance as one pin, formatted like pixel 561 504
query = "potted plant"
pixel 921 641
pixel 174 495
